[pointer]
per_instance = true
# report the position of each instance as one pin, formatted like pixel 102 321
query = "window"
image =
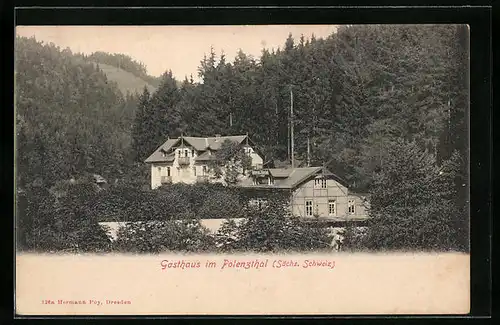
pixel 331 207
pixel 186 153
pixel 159 170
pixel 204 170
pixel 323 183
pixel 168 171
pixel 320 182
pixel 309 208
pixel 350 206
pixel 194 171
pixel 270 181
pixel 192 152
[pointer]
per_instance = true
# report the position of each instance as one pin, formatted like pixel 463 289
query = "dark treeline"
pixel 354 93
pixel 70 118
pixel 381 105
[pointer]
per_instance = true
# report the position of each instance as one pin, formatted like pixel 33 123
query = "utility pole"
pixel 308 152
pixel 291 127
pixel 288 137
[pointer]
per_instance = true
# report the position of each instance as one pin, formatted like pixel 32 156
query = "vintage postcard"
pixel 242 170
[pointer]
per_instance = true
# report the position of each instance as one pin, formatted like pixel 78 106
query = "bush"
pixel 271 228
pixel 220 205
pixel 166 219
pixel 51 224
pixel 352 239
pixel 161 236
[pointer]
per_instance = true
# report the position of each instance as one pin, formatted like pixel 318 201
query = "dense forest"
pixel 354 93
pixel 383 106
pixel 70 118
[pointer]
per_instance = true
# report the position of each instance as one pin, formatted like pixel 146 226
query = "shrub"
pixel 271 228
pixel 50 224
pixel 161 236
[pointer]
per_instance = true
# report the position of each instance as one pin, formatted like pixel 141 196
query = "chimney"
pixel 217 136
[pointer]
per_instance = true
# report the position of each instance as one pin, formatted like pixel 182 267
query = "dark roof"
pixel 205 156
pixel 280 172
pixel 360 194
pixel 298 175
pixel 198 143
pixel 157 155
pixel 288 178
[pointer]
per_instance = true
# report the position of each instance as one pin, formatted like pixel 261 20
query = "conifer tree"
pixel 412 204
pixel 140 131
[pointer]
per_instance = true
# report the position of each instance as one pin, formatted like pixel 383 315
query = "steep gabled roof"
pixel 298 175
pixel 280 172
pixel 290 178
pixel 205 156
pixel 286 178
pixel 198 143
pixel 157 155
pixel 213 143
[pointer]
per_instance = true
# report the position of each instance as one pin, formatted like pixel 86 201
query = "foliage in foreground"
pixel 157 236
pixel 271 228
pixel 58 223
pixel 413 205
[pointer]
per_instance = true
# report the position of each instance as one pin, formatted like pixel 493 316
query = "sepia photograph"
pixel 238 159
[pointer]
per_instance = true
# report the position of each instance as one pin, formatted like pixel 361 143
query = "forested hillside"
pixel 70 118
pixel 354 93
pixel 383 106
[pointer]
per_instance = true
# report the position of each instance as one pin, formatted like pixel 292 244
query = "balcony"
pixel 166 179
pixel 202 179
pixel 183 161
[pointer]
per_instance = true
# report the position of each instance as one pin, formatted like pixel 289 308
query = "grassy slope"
pixel 125 80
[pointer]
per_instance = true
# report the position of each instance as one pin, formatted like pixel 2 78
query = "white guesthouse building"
pixel 185 159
